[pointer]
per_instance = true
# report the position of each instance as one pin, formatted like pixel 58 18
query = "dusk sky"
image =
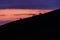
pixel 10 8
pixel 32 4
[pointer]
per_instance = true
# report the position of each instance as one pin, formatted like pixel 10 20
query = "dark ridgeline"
pixel 38 27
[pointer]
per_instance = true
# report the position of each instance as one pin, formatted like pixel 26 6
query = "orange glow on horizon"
pixel 9 13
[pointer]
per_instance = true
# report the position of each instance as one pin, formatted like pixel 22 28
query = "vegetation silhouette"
pixel 39 27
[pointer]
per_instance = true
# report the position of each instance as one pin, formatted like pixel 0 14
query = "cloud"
pixel 2 15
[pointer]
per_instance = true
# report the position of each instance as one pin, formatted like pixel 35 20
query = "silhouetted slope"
pixel 39 27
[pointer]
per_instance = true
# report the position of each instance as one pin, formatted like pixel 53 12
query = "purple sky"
pixel 4 22
pixel 33 4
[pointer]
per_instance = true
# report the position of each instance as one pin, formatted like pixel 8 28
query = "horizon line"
pixel 28 8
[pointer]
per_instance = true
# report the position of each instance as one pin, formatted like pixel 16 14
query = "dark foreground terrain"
pixel 39 27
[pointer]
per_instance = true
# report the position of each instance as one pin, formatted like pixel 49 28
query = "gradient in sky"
pixel 30 4
pixel 9 8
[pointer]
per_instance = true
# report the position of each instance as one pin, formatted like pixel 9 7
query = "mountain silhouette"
pixel 39 27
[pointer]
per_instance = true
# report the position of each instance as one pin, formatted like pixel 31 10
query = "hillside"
pixel 39 27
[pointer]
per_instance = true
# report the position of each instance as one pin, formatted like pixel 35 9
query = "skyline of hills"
pixel 45 26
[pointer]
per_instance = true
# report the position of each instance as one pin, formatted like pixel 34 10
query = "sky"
pixel 9 8
pixel 30 4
